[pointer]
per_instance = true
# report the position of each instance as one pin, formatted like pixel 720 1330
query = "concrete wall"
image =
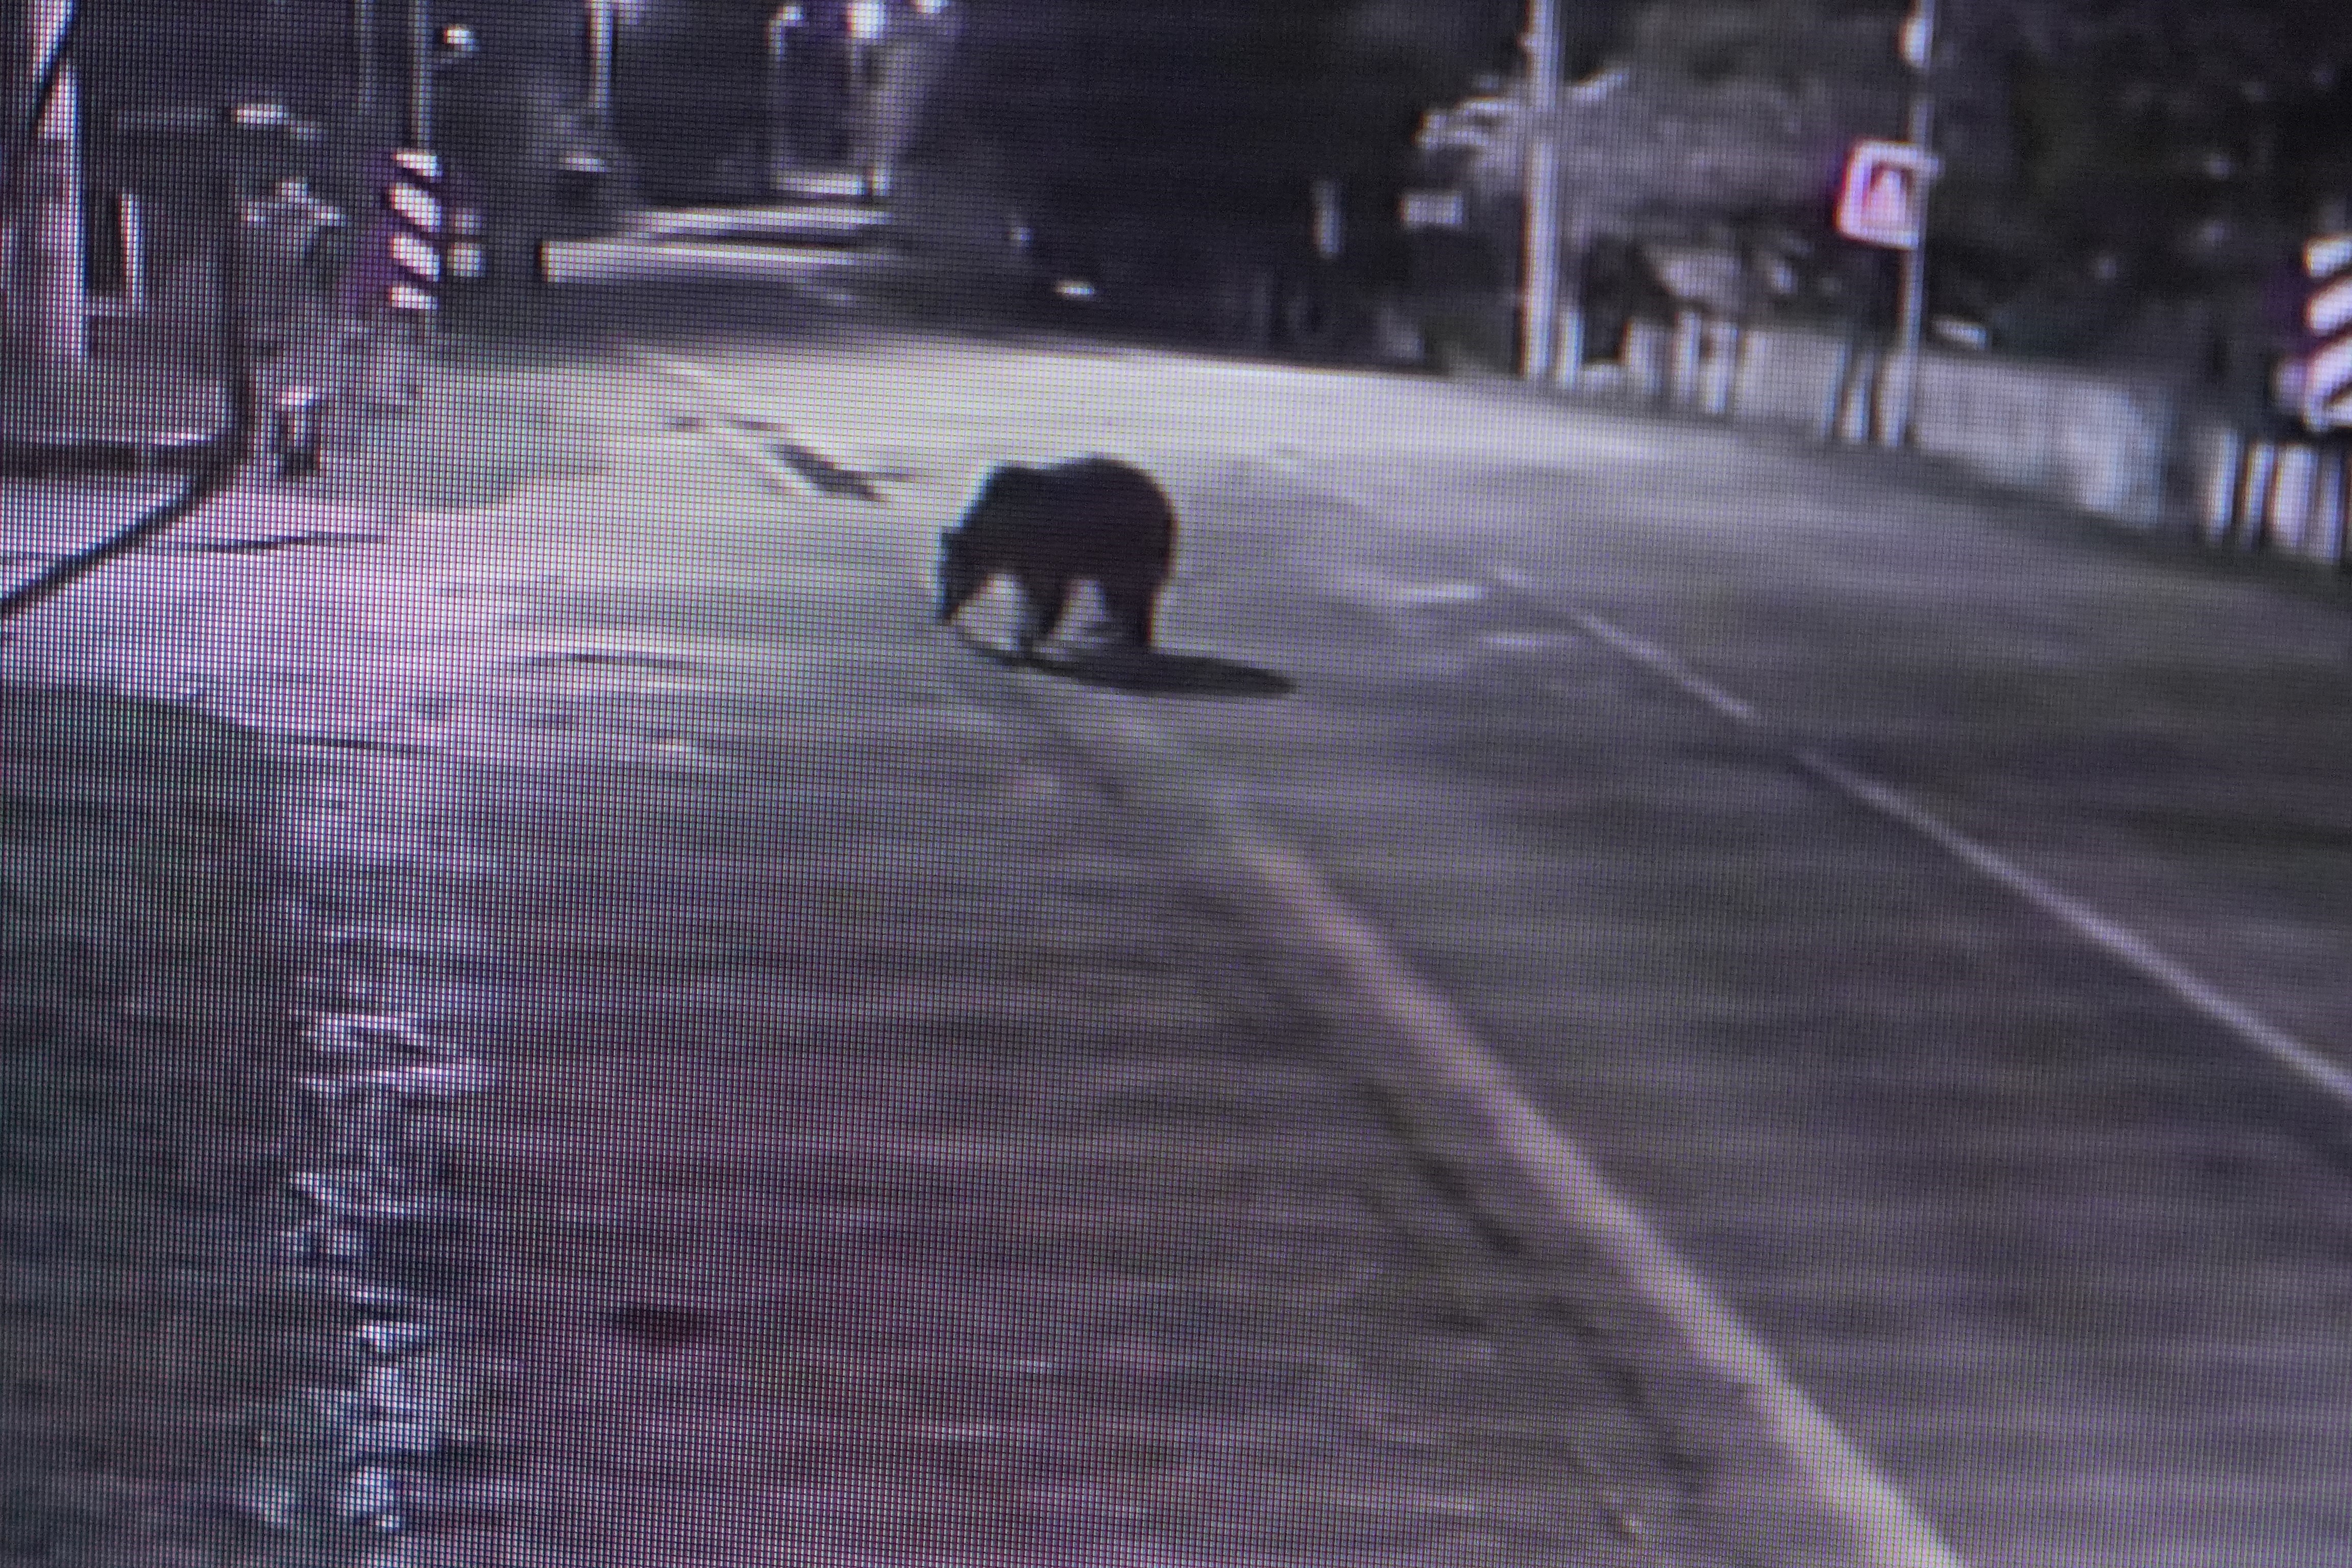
pixel 2133 451
pixel 2098 443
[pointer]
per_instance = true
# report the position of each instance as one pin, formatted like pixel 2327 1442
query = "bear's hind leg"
pixel 1131 603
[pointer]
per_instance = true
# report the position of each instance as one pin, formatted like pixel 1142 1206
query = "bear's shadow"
pixel 1153 672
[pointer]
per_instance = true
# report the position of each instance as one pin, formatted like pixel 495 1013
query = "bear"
pixel 1092 519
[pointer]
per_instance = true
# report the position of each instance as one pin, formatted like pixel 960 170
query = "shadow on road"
pixel 1161 674
pixel 1154 673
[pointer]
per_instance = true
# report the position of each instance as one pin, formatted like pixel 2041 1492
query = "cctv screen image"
pixel 1108 783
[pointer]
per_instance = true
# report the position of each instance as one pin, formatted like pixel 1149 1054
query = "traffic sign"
pixel 1885 193
pixel 2327 400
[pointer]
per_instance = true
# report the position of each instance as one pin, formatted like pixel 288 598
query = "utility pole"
pixel 363 58
pixel 420 74
pixel 56 321
pixel 1539 261
pixel 1903 388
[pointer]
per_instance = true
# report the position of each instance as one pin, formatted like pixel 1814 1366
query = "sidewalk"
pixel 43 521
pixel 82 456
pixel 2136 448
pixel 80 462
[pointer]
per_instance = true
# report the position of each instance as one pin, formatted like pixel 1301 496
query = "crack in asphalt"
pixel 269 541
pixel 359 743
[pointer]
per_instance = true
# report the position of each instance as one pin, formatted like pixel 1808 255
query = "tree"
pixel 1167 122
pixel 2097 152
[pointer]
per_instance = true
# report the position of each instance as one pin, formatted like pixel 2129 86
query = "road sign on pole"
pixel 1883 200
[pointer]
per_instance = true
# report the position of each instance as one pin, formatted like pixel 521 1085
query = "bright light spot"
pixel 1599 87
pixel 1074 289
pixel 866 18
pixel 930 8
pixel 1961 334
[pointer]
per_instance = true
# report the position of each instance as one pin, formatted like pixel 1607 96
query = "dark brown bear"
pixel 1094 519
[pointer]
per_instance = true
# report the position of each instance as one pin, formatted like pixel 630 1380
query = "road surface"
pixel 2064 1254
pixel 1024 1091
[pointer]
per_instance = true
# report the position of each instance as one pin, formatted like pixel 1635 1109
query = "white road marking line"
pixel 779 476
pixel 1652 657
pixel 2110 936
pixel 1888 1531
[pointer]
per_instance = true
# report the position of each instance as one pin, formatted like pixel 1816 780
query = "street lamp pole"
pixel 1903 391
pixel 1539 261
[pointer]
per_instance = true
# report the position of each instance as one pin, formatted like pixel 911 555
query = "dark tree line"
pixel 2127 176
pixel 1202 126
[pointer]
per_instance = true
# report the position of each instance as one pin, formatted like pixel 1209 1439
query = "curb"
pixel 44 455
pixel 197 485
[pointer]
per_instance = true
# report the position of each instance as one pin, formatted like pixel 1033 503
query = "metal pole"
pixel 420 73
pixel 600 61
pixel 1903 392
pixel 1539 265
pixel 58 313
pixel 364 56
pixel 236 341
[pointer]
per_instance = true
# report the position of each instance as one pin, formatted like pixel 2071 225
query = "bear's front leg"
pixel 1043 600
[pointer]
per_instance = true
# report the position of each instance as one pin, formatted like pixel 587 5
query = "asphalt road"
pixel 2069 1260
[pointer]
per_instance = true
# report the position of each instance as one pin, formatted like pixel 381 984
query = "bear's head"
pixel 961 575
pixel 991 535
